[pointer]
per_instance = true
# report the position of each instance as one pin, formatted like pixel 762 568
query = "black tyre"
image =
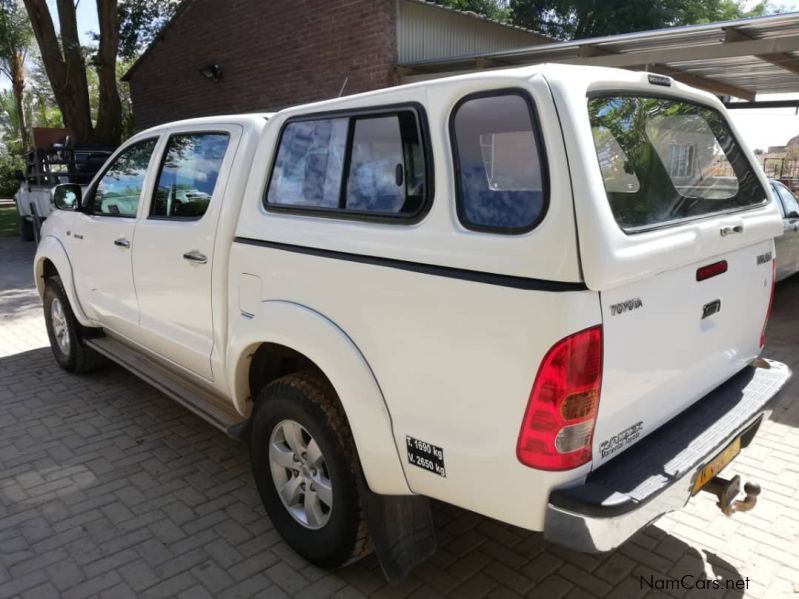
pixel 65 332
pixel 25 229
pixel 304 464
pixel 36 225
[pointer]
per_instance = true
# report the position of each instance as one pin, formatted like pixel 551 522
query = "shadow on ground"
pixel 782 341
pixel 105 484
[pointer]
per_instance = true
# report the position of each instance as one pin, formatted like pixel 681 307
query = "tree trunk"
pixel 66 69
pixel 109 112
pixel 17 69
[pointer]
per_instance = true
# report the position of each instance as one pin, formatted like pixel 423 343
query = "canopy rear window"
pixel 667 160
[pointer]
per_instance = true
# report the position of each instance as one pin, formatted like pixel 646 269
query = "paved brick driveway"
pixel 109 489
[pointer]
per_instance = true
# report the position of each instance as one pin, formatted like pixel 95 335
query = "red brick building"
pixel 229 56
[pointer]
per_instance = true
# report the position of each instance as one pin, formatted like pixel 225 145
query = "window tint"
pixel 118 191
pixel 381 175
pixel 666 160
pixel 498 163
pixel 309 164
pixel 188 175
pixel 613 163
pixel 360 164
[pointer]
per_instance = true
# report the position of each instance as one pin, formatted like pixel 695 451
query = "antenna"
pixel 343 85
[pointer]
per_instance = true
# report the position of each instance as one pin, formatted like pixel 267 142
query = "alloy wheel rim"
pixel 60 327
pixel 300 474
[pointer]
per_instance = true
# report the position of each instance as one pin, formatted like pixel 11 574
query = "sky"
pixel 760 128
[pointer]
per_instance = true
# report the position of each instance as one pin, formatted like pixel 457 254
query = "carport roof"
pixel 740 58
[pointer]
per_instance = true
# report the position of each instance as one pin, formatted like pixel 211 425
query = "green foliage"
pixel 574 19
pixel 139 23
pixel 8 221
pixel 15 32
pixel 493 9
pixel 8 164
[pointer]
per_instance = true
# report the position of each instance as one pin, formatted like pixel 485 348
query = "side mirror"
pixel 19 175
pixel 67 196
pixel 793 214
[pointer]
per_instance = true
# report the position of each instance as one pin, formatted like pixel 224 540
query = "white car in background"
pixel 787 244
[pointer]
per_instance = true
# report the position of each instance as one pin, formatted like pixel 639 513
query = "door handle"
pixel 195 256
pixel 122 242
pixel 730 230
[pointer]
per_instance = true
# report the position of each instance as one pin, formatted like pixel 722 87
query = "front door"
pixel 102 238
pixel 174 258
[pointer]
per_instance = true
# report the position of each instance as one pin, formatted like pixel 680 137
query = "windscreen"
pixel 666 160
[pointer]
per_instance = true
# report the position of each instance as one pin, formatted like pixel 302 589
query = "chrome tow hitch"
pixel 727 490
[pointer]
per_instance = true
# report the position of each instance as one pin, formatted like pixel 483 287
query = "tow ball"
pixel 727 490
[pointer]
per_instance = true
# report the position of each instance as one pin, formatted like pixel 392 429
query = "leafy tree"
pixel 8 164
pixel 65 66
pixel 575 19
pixel 15 39
pixel 124 27
pixel 493 9
pixel 140 21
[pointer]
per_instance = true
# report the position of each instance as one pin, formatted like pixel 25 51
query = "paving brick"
pixel 286 577
pixel 145 499
pixel 65 574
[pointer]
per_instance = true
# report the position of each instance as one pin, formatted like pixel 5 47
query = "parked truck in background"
pixel 53 159
pixel 539 294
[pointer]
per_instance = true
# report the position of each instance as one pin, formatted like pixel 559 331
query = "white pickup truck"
pixel 539 294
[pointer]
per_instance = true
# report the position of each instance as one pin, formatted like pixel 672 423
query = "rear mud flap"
pixel 402 530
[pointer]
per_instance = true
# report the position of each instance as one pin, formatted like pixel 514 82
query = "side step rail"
pixel 190 395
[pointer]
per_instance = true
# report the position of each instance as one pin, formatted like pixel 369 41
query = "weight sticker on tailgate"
pixel 425 455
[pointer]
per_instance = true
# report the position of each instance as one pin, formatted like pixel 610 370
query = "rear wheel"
pixel 304 464
pixel 25 229
pixel 36 225
pixel 65 332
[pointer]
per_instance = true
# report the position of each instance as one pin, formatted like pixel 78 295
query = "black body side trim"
pixel 428 269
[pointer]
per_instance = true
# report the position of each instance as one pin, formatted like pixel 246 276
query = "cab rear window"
pixel 664 161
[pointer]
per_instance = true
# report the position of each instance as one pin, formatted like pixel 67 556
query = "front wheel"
pixel 65 332
pixel 304 465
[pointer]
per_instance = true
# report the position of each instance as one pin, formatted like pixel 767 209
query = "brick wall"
pixel 273 53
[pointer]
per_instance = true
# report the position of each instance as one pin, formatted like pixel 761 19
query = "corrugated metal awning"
pixel 740 58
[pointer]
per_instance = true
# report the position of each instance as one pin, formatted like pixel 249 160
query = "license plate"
pixel 716 465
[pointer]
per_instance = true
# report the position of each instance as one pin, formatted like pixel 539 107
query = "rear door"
pixel 174 258
pixel 680 248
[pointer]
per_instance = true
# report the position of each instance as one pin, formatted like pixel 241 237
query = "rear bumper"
pixel 656 475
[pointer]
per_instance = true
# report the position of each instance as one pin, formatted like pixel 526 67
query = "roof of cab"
pixel 257 118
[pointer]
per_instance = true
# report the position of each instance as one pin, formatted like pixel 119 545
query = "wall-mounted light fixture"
pixel 212 71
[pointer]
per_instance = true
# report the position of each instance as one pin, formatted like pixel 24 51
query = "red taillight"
pixel 770 302
pixel 558 424
pixel 711 270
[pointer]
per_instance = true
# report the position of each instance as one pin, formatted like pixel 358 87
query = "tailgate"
pixel 658 475
pixel 669 339
pixel 676 234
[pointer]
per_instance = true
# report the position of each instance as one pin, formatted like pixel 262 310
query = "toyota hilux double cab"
pixel 539 294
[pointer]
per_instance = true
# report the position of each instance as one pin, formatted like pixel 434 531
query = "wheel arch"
pixel 284 337
pixel 51 258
